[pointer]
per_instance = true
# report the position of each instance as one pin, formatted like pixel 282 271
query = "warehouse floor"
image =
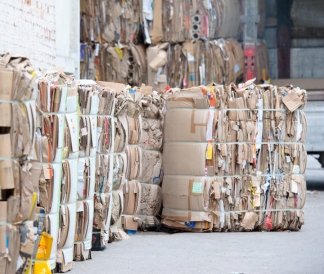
pixel 253 252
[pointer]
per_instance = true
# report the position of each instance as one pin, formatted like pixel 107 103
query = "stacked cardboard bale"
pixel 113 63
pixel 233 158
pixel 194 62
pixel 115 36
pixel 54 136
pixel 102 25
pixel 19 186
pixel 188 64
pixel 104 167
pixel 152 170
pixel 177 21
pixel 262 62
pixel 110 21
pixel 119 163
pixel 69 183
pixel 137 160
pixel 129 107
pixel 87 115
pixel 156 21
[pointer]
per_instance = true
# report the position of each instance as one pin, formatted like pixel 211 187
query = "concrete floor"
pixel 249 252
pixel 314 174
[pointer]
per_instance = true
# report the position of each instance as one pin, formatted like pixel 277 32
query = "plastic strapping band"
pixel 17 102
pixel 235 176
pixel 19 223
pixel 47 214
pixel 87 157
pixel 85 200
pixel 103 154
pixel 69 203
pixel 97 115
pixel 136 215
pixel 237 211
pixel 234 109
pixel 240 143
pixel 151 150
pixel 151 119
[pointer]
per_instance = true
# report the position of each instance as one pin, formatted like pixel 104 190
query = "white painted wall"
pixel 67 26
pixel 46 31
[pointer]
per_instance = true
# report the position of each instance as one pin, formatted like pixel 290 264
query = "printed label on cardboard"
pixel 209 152
pixel 94 104
pixel 296 169
pixel 64 92
pixel 84 131
pixel 74 133
pixel 294 187
pixel 197 187
pixel 192 77
pixel 236 68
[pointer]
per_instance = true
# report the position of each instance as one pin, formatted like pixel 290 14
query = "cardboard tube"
pixel 195 35
pixel 195 27
pixel 195 18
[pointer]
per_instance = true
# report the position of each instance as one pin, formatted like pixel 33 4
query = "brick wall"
pixel 27 27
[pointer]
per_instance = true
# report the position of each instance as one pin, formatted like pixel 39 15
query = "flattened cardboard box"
pixel 6 84
pixel 182 158
pixel 186 192
pixel 6 166
pixel 3 228
pixel 185 129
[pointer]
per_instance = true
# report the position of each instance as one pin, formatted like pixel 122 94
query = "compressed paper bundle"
pixel 151 167
pixel 164 64
pixel 113 63
pixel 157 59
pixel 152 135
pixel 56 139
pixel 150 208
pixel 106 29
pixel 69 183
pixel 226 150
pixel 149 191
pixel 88 104
pixel 116 231
pixel 137 65
pixel 129 175
pixel 119 175
pixel 110 165
pixel 182 20
pixel 121 63
pixel 114 35
pixel 104 166
pixel 109 21
pixel 129 106
pixel 189 64
pixel 262 62
pixel 18 175
pixel 198 63
pixel 214 19
pixel 175 20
